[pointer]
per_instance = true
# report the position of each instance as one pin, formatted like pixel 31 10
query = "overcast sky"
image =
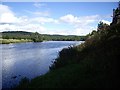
pixel 66 18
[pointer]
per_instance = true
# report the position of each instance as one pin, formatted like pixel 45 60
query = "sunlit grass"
pixel 8 41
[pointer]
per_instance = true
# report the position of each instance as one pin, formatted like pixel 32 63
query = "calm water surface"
pixel 28 59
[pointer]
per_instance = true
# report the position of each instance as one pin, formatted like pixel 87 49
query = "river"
pixel 28 59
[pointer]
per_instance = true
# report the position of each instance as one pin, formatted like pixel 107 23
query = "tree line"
pixel 36 37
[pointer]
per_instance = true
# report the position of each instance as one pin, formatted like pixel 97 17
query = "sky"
pixel 64 18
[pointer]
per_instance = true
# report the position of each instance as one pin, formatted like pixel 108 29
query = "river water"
pixel 28 59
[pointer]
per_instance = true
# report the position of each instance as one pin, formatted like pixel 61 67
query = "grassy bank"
pixel 8 41
pixel 93 64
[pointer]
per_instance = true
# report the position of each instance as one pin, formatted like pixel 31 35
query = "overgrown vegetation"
pixel 97 41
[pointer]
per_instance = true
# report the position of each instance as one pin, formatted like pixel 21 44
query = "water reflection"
pixel 29 59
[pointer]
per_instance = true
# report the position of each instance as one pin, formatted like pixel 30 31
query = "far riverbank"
pixel 8 41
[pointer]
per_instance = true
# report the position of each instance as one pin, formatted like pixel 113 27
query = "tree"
pixel 102 26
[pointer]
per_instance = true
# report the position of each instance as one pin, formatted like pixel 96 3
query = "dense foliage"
pixel 63 37
pixel 36 37
pixel 98 41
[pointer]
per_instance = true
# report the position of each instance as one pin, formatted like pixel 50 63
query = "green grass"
pixel 8 41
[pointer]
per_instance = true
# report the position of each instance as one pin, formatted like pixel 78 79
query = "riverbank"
pixel 8 41
pixel 37 37
pixel 93 64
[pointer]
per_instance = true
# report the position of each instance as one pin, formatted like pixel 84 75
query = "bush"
pixel 24 83
pixel 65 57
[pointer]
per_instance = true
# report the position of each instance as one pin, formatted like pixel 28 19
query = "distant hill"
pixel 16 35
pixel 40 37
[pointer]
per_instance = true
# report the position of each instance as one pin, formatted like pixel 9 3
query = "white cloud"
pixel 81 25
pixel 107 22
pixel 76 31
pixel 23 20
pixel 56 31
pixel 39 5
pixel 4 9
pixel 45 13
pixel 6 15
pixel 38 13
pixel 28 27
pixel 8 27
pixel 9 22
pixel 83 30
pixel 84 20
pixel 43 20
pixel 7 18
pixel 69 18
pixel 33 28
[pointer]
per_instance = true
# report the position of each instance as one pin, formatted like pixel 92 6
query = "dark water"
pixel 28 59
